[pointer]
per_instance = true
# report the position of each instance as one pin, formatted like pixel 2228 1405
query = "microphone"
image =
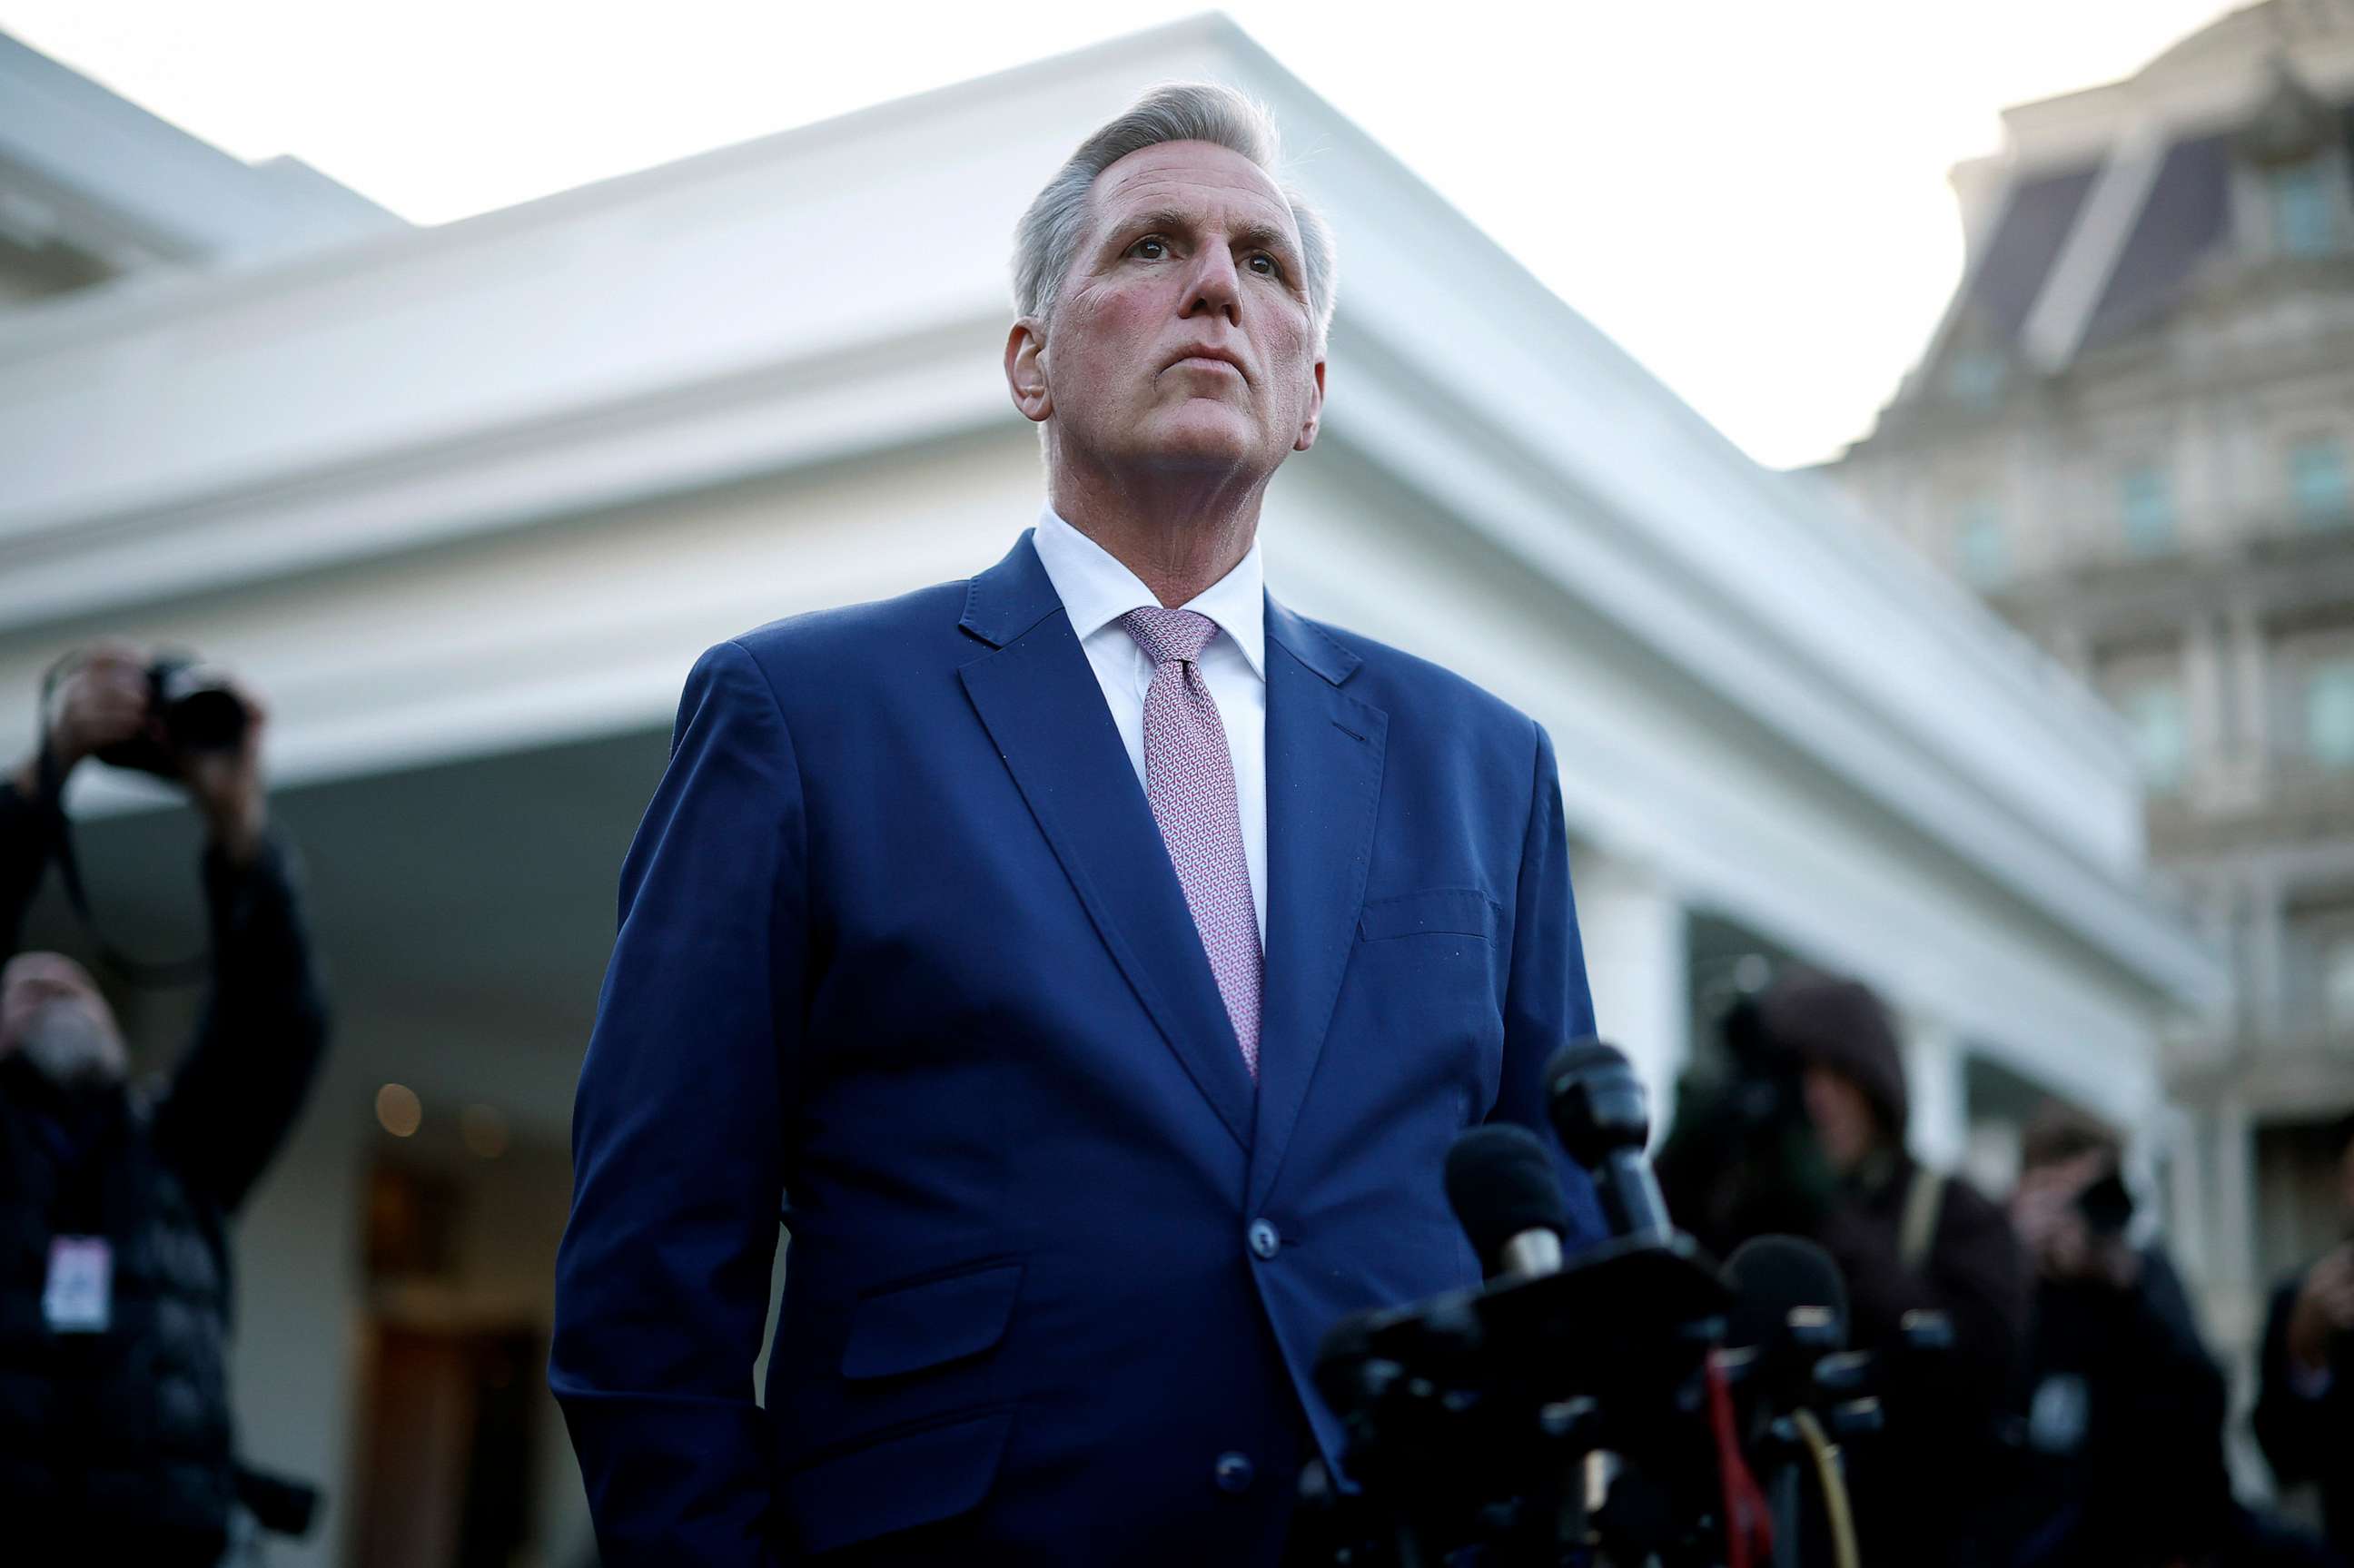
pixel 1502 1186
pixel 1784 1287
pixel 1603 1117
pixel 1787 1323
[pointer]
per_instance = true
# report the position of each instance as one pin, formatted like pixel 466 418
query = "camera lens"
pixel 200 712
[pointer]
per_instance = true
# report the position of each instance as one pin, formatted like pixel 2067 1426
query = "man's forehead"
pixel 1189 174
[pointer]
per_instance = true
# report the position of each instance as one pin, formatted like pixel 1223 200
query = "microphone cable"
pixel 1830 1476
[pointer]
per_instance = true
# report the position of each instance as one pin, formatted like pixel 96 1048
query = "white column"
pixel 2191 1234
pixel 2267 937
pixel 1633 928
pixel 1939 1135
pixel 2205 707
pixel 2251 739
pixel 2231 1217
pixel 299 1307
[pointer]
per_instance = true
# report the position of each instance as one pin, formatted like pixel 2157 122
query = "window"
pixel 2318 490
pixel 2329 714
pixel 2338 983
pixel 1974 378
pixel 1981 551
pixel 2302 221
pixel 2146 498
pixel 2153 712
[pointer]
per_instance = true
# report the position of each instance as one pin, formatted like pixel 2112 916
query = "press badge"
pixel 79 1296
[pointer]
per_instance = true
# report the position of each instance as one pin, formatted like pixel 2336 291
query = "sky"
pixel 1750 197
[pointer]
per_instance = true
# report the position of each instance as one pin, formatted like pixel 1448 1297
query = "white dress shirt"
pixel 1097 590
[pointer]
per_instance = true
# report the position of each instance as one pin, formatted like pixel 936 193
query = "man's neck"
pixel 1177 538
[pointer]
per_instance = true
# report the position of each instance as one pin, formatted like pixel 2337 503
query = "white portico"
pixel 467 502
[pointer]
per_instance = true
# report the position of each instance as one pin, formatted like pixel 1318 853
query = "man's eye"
pixel 1265 266
pixel 1152 247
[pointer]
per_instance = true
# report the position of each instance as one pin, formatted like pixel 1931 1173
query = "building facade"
pixel 2133 434
pixel 467 502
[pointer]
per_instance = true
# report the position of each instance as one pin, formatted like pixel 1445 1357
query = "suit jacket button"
pixel 1264 1243
pixel 1233 1472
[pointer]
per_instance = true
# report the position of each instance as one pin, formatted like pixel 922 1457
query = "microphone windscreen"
pixel 1771 1276
pixel 1595 1101
pixel 1500 1183
pixel 1580 1057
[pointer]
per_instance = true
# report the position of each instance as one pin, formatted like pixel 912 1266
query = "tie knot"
pixel 1167 634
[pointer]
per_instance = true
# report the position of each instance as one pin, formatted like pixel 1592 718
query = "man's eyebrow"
pixel 1154 220
pixel 1265 237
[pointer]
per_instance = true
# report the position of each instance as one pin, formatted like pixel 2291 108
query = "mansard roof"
pixel 2111 205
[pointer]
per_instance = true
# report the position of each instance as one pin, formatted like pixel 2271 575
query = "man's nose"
pixel 1214 289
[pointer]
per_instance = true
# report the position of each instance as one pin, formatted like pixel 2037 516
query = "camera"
pixel 2107 1206
pixel 195 708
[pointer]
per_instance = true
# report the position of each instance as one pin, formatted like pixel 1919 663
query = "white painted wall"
pixel 298 1315
pixel 1632 924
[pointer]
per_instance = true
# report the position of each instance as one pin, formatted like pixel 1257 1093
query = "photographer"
pixel 115 1441
pixel 2305 1400
pixel 1808 1139
pixel 2123 1459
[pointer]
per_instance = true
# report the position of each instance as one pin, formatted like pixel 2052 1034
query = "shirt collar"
pixel 1096 590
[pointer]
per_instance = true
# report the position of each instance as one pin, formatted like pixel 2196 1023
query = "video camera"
pixel 1633 1405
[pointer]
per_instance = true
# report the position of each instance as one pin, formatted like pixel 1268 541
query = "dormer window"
pixel 2293 186
pixel 2304 218
pixel 1974 378
pixel 1981 548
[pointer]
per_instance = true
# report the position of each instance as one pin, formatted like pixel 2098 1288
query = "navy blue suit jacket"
pixel 902 959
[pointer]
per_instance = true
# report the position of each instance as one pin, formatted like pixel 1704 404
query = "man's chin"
pixel 1213 439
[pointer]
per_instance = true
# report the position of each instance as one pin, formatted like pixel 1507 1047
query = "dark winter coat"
pixel 2123 1456
pixel 1742 1160
pixel 118 1447
pixel 2306 1425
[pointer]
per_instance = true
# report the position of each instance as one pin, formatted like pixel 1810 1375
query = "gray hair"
pixel 1046 242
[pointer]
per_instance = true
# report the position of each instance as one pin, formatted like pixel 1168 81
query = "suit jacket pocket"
pixel 900 1479
pixel 931 1321
pixel 1452 911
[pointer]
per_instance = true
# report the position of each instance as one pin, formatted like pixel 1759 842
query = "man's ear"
pixel 1315 415
pixel 1026 370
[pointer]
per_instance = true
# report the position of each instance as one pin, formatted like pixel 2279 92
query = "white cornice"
pixel 2195 90
pixel 118 176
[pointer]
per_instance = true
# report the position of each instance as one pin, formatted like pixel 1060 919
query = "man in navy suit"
pixel 1091 963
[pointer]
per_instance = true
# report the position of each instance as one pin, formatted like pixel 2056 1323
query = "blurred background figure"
pixel 1806 1137
pixel 2123 1461
pixel 2305 1401
pixel 116 1440
pixel 2122 1454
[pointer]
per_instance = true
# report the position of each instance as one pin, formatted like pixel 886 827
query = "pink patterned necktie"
pixel 1189 776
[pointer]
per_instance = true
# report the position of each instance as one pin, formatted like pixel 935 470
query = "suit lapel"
pixel 1039 698
pixel 1324 754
